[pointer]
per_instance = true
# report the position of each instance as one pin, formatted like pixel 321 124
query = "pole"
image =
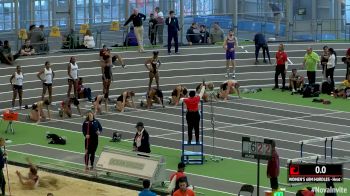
pixel 258 178
pixel 7 173
pixel 332 148
pixel 182 18
pixel 325 148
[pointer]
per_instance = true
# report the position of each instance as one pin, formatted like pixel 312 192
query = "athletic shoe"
pixel 274 88
pixel 123 66
pixel 177 52
pixel 169 53
pixel 233 76
pixel 226 75
pixel 256 62
pixel 265 61
pixel 294 91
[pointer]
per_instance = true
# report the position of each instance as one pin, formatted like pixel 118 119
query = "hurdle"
pixel 325 140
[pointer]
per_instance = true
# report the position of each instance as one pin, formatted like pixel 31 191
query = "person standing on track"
pixel 136 19
pixel 47 81
pixel 273 168
pixel 153 64
pixel 107 75
pixel 91 130
pixel 332 61
pixel 311 60
pixel 141 139
pixel 230 45
pixel 281 60
pixel 17 87
pixel 72 76
pixel 173 31
pixel 192 115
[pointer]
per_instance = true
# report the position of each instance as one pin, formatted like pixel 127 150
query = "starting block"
pixel 10 116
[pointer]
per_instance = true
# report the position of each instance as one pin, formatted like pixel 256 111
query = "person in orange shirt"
pixel 180 174
pixel 184 190
pixel 281 59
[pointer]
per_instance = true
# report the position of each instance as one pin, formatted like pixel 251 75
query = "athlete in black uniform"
pixel 153 65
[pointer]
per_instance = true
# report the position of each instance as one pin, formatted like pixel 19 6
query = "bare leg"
pixel 50 94
pixel 157 80
pixel 44 92
pixel 70 84
pixel 14 96
pixel 20 93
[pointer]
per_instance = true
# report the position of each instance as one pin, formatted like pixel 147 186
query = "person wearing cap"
pixel 141 139
pixel 91 130
pixel 177 175
pixel 192 115
pixel 152 65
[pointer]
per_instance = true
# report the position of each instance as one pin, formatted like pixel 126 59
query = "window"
pixel 41 12
pixel 7 16
pixel 81 12
pixel 204 7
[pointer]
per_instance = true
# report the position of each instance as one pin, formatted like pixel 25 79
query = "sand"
pixel 61 186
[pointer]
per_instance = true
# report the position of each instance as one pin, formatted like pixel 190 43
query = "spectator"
pixel 5 54
pixel 32 180
pixel 2 164
pixel 130 39
pixel 273 167
pixel 27 49
pixel 83 91
pixel 160 24
pixel 277 14
pixel 343 89
pixel 204 34
pixel 152 25
pixel 44 46
pixel 173 31
pixel 296 81
pixel 192 115
pixel 311 60
pixel 91 130
pixel 281 59
pixel 260 42
pixel 216 34
pixel 324 60
pixel 136 19
pixel 183 189
pixel 178 175
pixel 70 41
pixel 146 189
pixel 332 61
pixel 192 35
pixel 89 41
pixel 141 139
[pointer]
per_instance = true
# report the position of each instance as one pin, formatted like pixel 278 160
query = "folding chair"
pixel 247 188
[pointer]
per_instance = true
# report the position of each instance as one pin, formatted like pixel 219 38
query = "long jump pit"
pixel 59 185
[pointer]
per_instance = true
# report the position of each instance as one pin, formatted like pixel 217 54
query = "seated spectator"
pixel 5 53
pixel 204 34
pixel 89 41
pixel 174 178
pixel 183 189
pixel 70 40
pixel 343 89
pixel 227 88
pixel 216 34
pixel 192 35
pixel 27 49
pixel 146 189
pixel 130 39
pixel 296 81
pixel 83 92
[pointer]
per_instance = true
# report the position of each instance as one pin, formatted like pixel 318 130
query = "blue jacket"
pixel 146 192
pixel 94 126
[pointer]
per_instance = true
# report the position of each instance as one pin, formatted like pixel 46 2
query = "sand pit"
pixel 61 186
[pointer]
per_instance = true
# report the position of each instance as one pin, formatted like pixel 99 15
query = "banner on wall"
pixel 347 11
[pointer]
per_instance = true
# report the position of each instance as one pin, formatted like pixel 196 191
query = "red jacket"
pixel 273 165
pixel 281 57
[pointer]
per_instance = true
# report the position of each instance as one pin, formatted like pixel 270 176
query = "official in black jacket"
pixel 141 139
pixel 91 130
pixel 173 29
